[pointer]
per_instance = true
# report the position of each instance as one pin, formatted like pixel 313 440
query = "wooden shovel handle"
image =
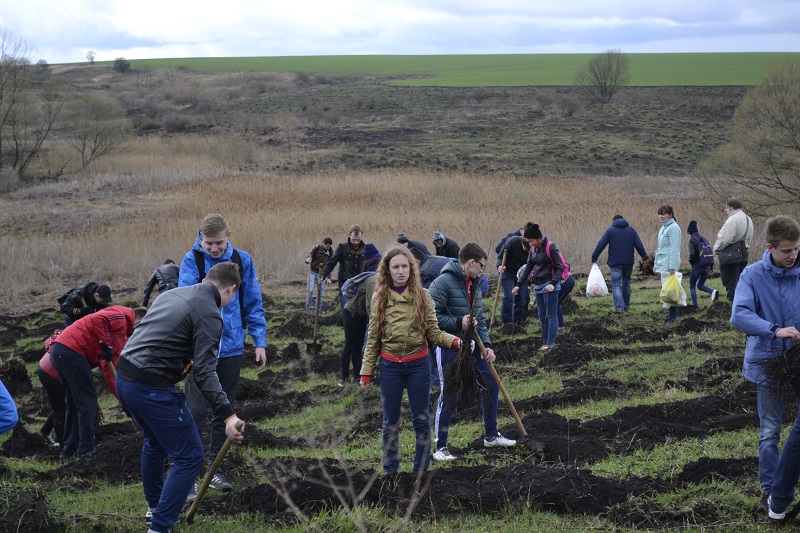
pixel 507 398
pixel 497 291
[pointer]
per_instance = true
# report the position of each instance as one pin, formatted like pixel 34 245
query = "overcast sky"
pixel 64 30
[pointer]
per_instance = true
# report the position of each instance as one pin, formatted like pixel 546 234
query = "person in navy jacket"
pixel 621 239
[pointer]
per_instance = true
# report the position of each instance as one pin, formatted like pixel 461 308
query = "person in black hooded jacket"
pixel 84 300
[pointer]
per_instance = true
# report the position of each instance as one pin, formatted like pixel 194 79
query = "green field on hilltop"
pixel 501 70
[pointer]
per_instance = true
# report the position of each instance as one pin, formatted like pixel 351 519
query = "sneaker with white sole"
pixel 443 454
pixel 148 516
pixel 499 441
pixel 772 514
pixel 193 492
pixel 220 482
pixel 714 295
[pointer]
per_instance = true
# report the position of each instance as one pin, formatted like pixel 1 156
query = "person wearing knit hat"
pixel 701 257
pixel 84 300
pixel 411 244
pixel 371 256
pixel 547 267
pixel 444 246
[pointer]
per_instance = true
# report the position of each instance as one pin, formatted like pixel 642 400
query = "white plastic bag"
pixel 596 284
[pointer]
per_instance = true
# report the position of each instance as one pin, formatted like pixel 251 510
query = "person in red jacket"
pixel 51 383
pixel 94 340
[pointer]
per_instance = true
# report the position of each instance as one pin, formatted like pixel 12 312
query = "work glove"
pixel 106 352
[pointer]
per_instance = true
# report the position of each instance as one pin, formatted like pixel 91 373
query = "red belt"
pixel 406 359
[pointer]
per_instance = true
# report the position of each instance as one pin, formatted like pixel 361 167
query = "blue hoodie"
pixel 766 296
pixel 621 240
pixel 233 329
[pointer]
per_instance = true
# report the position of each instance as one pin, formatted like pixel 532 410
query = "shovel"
pixel 497 292
pixel 506 397
pixel 201 491
pixel 314 348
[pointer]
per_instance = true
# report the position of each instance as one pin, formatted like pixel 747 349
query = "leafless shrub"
pixel 544 99
pixel 568 105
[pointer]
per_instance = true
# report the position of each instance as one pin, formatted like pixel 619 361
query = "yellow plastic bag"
pixel 672 292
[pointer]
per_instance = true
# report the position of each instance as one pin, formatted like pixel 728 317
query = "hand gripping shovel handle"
pixel 497 291
pixel 210 474
pixel 507 398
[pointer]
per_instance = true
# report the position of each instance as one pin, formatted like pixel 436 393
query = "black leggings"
pixel 355 328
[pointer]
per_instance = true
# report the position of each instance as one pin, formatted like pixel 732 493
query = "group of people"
pixel 409 319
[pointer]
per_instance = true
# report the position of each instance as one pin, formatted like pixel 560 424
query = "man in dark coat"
pixel 350 258
pixel 166 276
pixel 444 246
pixel 84 300
pixel 514 308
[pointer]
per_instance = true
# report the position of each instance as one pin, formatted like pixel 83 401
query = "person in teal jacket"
pixel 244 313
pixel 668 251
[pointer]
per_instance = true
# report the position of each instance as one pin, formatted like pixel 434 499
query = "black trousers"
pixel 55 393
pixel 729 274
pixel 228 370
pixel 355 329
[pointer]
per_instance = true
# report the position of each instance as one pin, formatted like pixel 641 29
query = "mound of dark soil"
pixel 299 325
pixel 15 377
pixel 286 403
pixel 115 460
pixel 27 510
pixel 586 331
pixel 23 443
pixel 721 309
pixel 252 389
pixel 575 391
pixel 713 373
pixel 704 469
pixel 291 352
pixel 570 357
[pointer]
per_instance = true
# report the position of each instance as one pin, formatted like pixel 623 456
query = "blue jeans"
pixel 697 280
pixel 547 305
pixel 787 471
pixel 169 431
pixel 566 287
pixel 770 412
pixel 621 286
pixel 514 308
pixel 80 400
pixel 414 377
pixel 312 291
pixel 447 404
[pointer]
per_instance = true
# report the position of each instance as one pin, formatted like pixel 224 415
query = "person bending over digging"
pixel 767 309
pixel 179 336
pixel 453 293
pixel 402 321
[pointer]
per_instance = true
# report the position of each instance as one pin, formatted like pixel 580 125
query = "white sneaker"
pixel 443 454
pixel 714 294
pixel 772 514
pixel 499 441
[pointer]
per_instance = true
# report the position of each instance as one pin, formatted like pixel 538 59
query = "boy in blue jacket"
pixel 767 308
pixel 244 313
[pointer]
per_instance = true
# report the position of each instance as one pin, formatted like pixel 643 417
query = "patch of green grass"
pixel 499 70
pixel 668 459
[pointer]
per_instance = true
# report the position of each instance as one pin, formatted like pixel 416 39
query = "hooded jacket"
pixel 450 298
pixel 80 302
pixel 449 248
pixel 235 326
pixel 668 251
pixel 766 296
pixel 622 239
pixel 545 269
pixel 112 325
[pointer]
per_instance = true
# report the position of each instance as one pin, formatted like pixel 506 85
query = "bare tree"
pixel 98 128
pixel 90 57
pixel 15 60
pixel 33 117
pixel 761 162
pixel 604 74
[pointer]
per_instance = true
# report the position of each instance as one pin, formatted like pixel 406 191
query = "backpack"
pixel 350 287
pixel 705 251
pixel 565 272
pixel 200 260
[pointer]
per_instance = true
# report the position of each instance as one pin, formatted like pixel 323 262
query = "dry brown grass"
pixel 117 225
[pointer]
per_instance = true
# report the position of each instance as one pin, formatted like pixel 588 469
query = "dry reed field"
pixel 145 204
